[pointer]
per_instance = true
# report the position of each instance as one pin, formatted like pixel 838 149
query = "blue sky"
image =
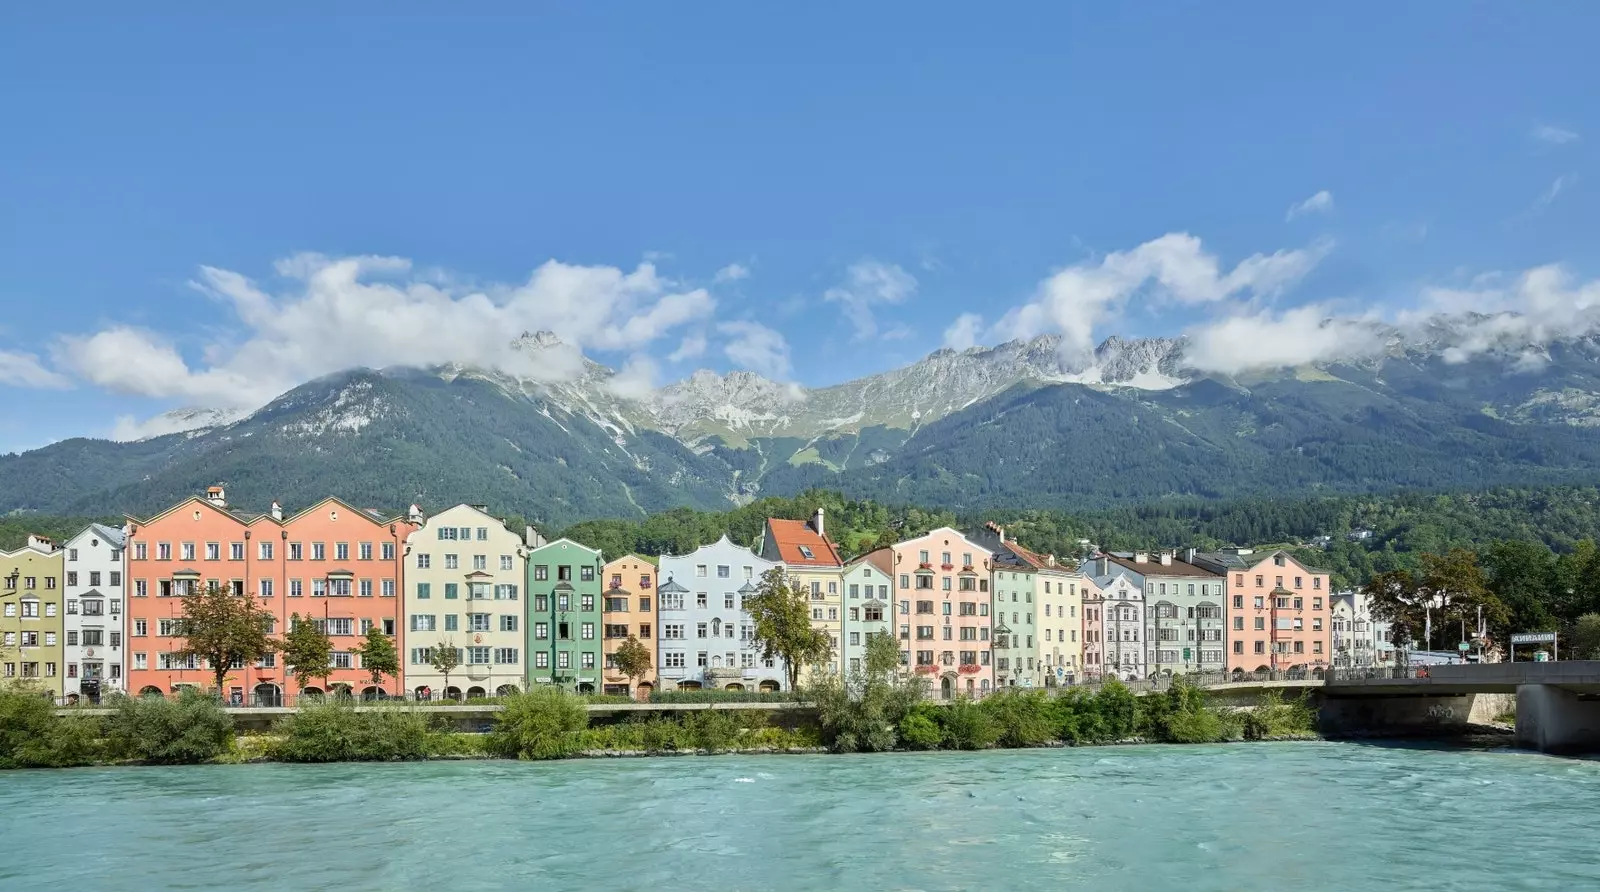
pixel 817 192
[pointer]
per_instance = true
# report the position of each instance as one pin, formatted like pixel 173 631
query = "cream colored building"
pixel 812 560
pixel 464 574
pixel 31 597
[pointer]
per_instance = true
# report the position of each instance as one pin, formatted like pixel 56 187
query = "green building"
pixel 563 627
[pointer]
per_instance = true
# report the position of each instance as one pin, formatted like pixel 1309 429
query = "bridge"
pixel 1557 704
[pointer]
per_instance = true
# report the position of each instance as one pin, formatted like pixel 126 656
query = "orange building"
pixel 1279 611
pixel 629 602
pixel 332 562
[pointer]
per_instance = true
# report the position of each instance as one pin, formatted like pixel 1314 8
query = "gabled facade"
pixel 804 548
pixel 1036 621
pixel 1185 626
pixel 1093 637
pixel 1359 640
pixel 629 610
pixel 869 603
pixel 1279 611
pixel 942 610
pixel 92 614
pixel 1122 619
pixel 706 638
pixel 31 598
pixel 463 589
pixel 564 617
pixel 332 564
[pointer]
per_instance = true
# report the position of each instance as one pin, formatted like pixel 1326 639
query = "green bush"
pixel 339 732
pixel 1022 717
pixel 1199 726
pixel 32 736
pixel 543 723
pixel 967 726
pixel 191 729
pixel 711 729
pixel 920 729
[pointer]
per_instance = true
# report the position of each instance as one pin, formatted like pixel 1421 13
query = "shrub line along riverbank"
pixel 547 723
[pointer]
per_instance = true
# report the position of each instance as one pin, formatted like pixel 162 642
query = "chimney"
pixel 533 539
pixel 1141 557
pixel 277 510
pixel 1166 558
pixel 414 515
pixel 1102 565
pixel 40 543
pixel 1188 555
pixel 216 496
pixel 816 522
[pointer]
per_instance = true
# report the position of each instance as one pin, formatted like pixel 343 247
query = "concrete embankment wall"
pixel 1410 716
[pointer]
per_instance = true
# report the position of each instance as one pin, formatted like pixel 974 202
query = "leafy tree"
pixel 546 722
pixel 1584 639
pixel 782 616
pixel 1456 580
pixel 223 628
pixel 1397 600
pixel 378 655
pixel 865 710
pixel 633 660
pixel 308 649
pixel 444 659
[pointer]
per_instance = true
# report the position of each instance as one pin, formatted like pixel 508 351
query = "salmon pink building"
pixel 942 611
pixel 338 565
pixel 1279 611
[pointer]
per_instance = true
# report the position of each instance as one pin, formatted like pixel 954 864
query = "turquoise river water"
pixel 1244 817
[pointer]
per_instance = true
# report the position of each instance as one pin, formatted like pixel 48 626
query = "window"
pixel 452 562
pixel 672 631
pixel 478 656
pixel 478 622
pixel 541 660
pixel 671 601
pixel 505 562
pixel 387 551
pixel 451 591
pixel 541 572
pixel 564 660
pixel 722 571
pixel 541 631
pixel 364 551
pixel 319 551
pixel 480 562
pixel 505 655
pixel 423 622
pixel 563 573
pixel 672 659
pixel 424 561
pixel 452 622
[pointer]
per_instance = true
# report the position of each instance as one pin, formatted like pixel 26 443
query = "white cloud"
pixel 756 347
pixel 1559 185
pixel 691 347
pixel 328 314
pixel 24 370
pixel 636 379
pixel 1320 203
pixel 1499 314
pixel 870 283
pixel 1556 136
pixel 1275 340
pixel 1171 269
pixel 963 333
pixel 733 272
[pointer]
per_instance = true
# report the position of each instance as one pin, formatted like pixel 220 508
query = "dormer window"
pixel 1279 560
pixel 805 552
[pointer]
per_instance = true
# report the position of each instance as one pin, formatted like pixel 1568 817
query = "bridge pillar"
pixel 1557 721
pixel 1391 715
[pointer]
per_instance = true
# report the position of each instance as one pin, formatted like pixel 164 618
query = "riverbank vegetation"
pixel 879 715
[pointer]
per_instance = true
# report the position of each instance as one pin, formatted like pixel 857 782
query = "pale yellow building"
pixel 812 560
pixel 31 646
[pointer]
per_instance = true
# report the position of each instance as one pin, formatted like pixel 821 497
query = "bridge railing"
pixel 1368 673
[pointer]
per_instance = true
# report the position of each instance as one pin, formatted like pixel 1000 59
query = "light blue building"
pixel 706 638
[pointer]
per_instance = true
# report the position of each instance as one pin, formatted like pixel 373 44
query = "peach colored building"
pixel 1279 611
pixel 1093 624
pixel 942 611
pixel 332 562
pixel 628 604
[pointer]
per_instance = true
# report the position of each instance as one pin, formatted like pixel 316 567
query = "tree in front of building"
pixel 781 612
pixel 444 659
pixel 309 650
pixel 378 655
pixel 633 660
pixel 223 629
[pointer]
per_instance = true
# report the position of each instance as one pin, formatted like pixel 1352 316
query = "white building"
pixel 1359 640
pixel 1122 618
pixel 92 623
pixel 706 638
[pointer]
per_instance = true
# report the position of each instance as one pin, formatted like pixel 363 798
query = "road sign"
pixel 1463 647
pixel 1534 638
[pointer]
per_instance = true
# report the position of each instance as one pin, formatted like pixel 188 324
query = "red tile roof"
pixel 790 535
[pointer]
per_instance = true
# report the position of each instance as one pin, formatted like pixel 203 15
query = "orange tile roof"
pixel 790 535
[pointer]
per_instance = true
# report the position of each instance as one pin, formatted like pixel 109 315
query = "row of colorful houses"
pixel 972 610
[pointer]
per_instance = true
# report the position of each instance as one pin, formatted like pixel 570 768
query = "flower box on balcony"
pixel 970 669
pixel 947 567
pixel 927 670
